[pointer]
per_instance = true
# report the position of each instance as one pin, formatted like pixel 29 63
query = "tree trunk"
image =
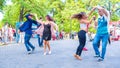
pixel 21 14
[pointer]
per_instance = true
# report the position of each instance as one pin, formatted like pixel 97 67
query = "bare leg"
pixel 10 39
pixel 45 46
pixel 48 44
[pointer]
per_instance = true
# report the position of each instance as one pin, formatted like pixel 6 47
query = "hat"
pixel 29 14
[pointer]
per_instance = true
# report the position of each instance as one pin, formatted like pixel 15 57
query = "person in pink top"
pixel 10 33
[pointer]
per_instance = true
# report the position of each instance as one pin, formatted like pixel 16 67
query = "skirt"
pixel 46 37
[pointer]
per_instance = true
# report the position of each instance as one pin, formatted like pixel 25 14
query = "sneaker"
pixel 96 56
pixel 85 49
pixel 29 52
pixel 100 59
pixel 49 52
pixel 33 49
pixel 45 53
pixel 77 57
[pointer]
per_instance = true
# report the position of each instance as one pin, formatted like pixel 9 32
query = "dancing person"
pixel 96 28
pixel 102 33
pixel 47 32
pixel 27 28
pixel 83 19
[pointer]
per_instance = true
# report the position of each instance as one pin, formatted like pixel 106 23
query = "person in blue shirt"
pixel 18 24
pixel 27 28
pixel 102 33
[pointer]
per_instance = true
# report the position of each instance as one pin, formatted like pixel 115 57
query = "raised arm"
pixel 105 12
pixel 95 23
pixel 36 17
pixel 91 11
pixel 87 21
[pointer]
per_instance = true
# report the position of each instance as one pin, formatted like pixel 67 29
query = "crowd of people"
pixel 7 34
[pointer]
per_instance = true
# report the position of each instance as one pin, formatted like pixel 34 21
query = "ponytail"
pixel 78 16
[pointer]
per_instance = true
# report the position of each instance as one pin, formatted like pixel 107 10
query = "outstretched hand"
pixel 94 7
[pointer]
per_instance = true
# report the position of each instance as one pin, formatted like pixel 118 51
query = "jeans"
pixel 108 41
pixel 40 41
pixel 104 38
pixel 82 41
pixel 17 37
pixel 27 43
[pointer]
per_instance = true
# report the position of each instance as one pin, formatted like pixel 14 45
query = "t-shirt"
pixel 106 20
pixel 102 25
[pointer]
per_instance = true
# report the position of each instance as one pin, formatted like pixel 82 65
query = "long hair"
pixel 79 15
pixel 49 18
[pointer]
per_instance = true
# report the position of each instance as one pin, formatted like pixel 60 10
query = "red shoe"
pixel 85 49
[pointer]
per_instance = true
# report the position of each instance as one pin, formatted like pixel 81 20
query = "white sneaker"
pixel 45 53
pixel 29 52
pixel 33 50
pixel 49 52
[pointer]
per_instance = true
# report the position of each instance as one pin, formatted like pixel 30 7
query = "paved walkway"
pixel 14 56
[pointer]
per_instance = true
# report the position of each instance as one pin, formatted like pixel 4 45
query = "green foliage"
pixel 114 17
pixel 1 3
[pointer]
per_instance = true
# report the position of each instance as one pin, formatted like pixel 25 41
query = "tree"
pixel 20 8
pixel 2 4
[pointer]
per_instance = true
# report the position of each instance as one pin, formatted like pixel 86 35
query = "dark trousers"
pixel 82 41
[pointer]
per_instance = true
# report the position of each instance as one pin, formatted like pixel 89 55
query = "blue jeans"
pixel 104 38
pixel 17 37
pixel 40 41
pixel 27 43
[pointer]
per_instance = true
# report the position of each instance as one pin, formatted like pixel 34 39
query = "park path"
pixel 14 56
